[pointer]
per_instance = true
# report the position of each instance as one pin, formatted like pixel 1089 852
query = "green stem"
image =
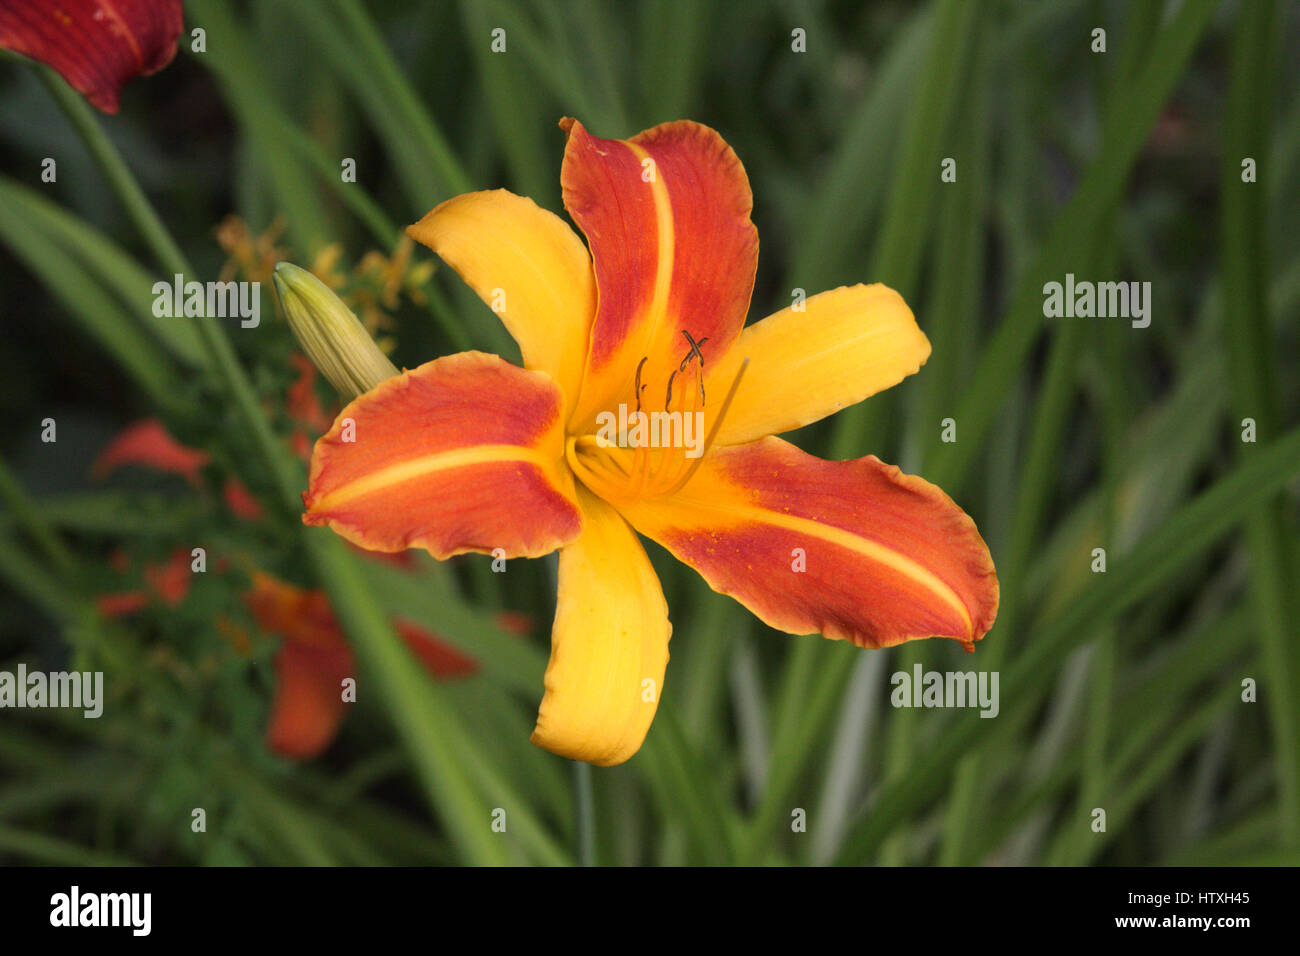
pixel 44 849
pixel 115 169
pixel 584 809
pixel 1247 341
pixel 32 522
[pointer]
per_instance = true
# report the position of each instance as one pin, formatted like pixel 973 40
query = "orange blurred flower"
pixel 314 658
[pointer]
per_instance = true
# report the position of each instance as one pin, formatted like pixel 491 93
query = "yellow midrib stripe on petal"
pixel 864 546
pixel 426 465
pixel 658 307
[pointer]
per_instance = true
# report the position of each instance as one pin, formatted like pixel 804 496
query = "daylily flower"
pixel 96 45
pixel 314 659
pixel 147 442
pixel 469 453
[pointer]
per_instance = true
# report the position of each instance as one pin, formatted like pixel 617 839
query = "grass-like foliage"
pixel 1164 690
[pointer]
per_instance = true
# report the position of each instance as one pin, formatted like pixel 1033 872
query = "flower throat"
pixel 648 454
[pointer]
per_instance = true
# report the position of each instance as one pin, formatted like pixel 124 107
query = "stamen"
pixel 713 432
pixel 653 471
pixel 681 367
pixel 695 349
pixel 681 462
pixel 639 386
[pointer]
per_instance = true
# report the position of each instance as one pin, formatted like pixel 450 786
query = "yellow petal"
pixel 529 267
pixel 609 645
pixel 846 345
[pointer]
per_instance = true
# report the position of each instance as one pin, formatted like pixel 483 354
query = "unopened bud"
pixel 331 335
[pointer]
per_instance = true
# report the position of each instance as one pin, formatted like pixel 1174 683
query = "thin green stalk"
pixel 686 790
pixel 425 159
pixel 1157 558
pixel 1137 784
pixel 33 522
pixel 115 169
pixel 519 119
pixel 220 354
pixel 844 202
pixel 813 682
pixel 109 263
pixel 584 810
pixel 897 258
pixel 1255 393
pixel 39 848
pixel 1125 134
pixel 421 717
pixel 235 63
pixel 99 315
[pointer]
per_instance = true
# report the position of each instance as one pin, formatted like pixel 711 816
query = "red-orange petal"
pixel 148 443
pixel 310 666
pixel 293 613
pixel 121 604
pixel 96 45
pixel 666 215
pixel 438 657
pixel 315 658
pixel 465 453
pixel 308 706
pixel 240 501
pixel 301 400
pixel 854 550
pixel 171 580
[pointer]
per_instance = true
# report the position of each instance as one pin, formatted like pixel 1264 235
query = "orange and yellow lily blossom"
pixel 469 453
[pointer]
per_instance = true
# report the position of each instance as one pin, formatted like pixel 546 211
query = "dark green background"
pixel 1119 691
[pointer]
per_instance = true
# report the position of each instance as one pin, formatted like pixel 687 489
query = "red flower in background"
pixel 168 582
pixel 314 660
pixel 96 45
pixel 148 443
pixel 314 657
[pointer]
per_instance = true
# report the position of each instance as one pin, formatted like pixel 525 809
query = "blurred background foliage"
pixel 1120 690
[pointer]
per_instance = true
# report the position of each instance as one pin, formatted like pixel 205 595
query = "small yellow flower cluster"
pixel 250 257
pixel 372 289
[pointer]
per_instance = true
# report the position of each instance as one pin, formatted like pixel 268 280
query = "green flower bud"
pixel 331 335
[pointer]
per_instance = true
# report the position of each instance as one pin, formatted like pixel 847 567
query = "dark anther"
pixel 639 386
pixel 693 353
pixel 695 350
